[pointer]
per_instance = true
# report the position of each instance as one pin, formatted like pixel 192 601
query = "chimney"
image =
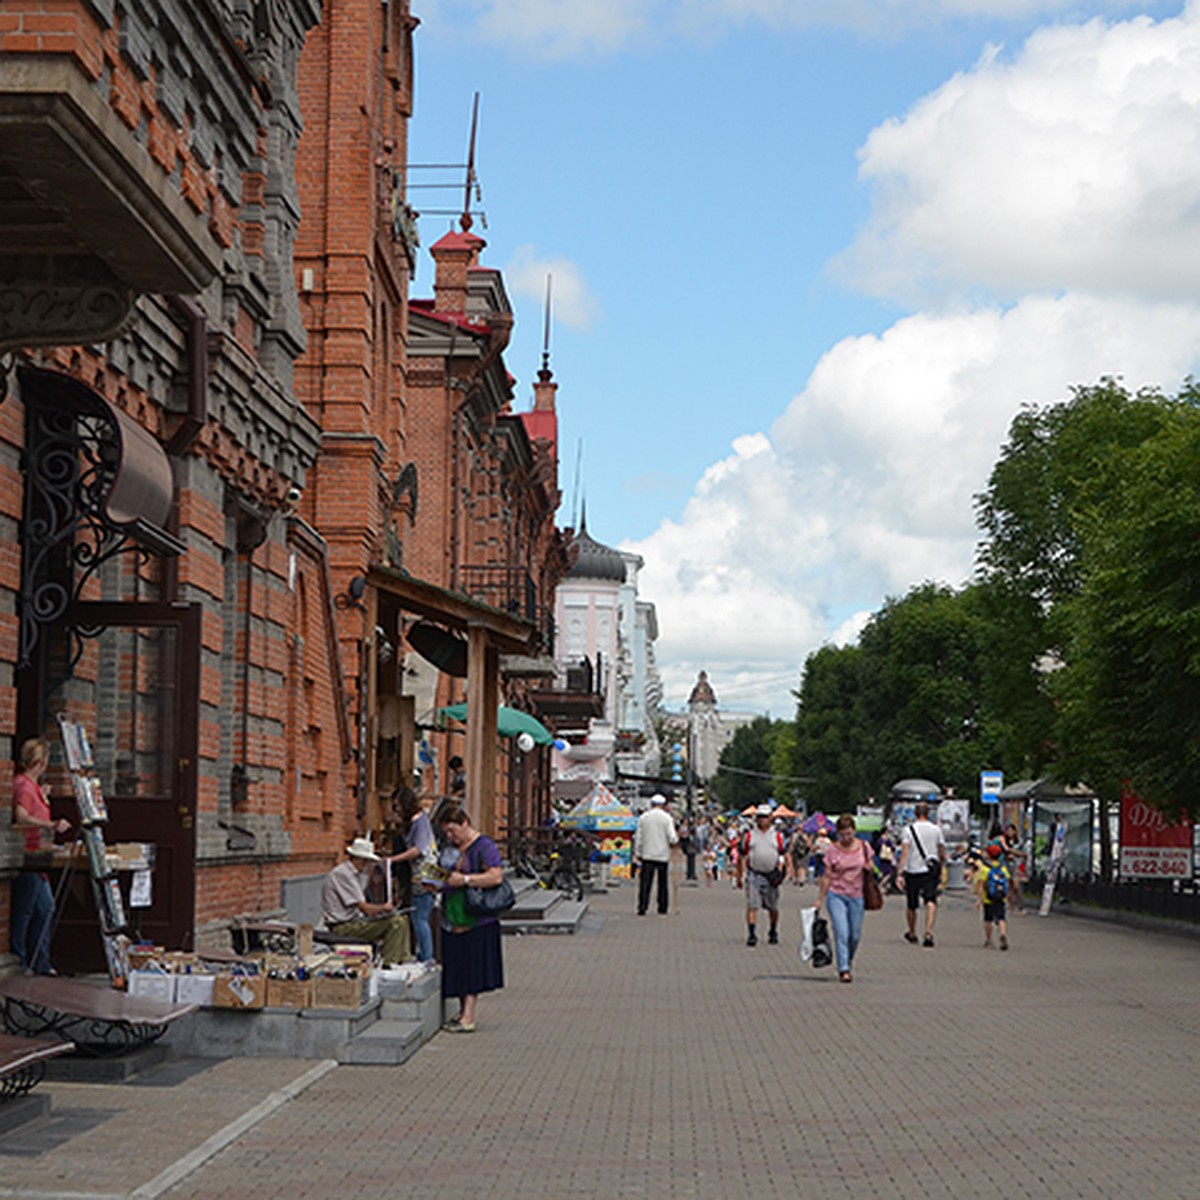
pixel 454 255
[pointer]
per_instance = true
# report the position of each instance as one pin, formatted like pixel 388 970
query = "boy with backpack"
pixel 992 884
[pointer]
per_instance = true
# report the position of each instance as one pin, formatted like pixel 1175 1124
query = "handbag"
pixel 489 902
pixel 872 895
pixel 776 877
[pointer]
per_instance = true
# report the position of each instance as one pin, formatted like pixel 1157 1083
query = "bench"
pixel 98 1019
pixel 23 1062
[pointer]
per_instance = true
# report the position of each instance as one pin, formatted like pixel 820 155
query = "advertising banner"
pixel 1151 847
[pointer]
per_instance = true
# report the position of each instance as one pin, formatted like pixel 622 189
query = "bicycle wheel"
pixel 566 881
pixel 524 868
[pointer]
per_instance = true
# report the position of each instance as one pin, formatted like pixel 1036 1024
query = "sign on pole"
pixel 991 784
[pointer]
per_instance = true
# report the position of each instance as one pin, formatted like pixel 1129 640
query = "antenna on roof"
pixel 544 373
pixel 472 182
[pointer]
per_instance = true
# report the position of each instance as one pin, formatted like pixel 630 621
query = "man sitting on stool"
pixel 348 912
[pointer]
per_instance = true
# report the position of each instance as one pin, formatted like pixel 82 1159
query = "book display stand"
pixel 93 816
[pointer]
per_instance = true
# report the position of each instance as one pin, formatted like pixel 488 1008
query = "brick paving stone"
pixel 662 1057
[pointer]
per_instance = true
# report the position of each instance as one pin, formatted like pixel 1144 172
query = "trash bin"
pixel 956 877
pixel 601 872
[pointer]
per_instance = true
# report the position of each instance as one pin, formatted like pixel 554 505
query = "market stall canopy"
pixel 819 823
pixel 510 722
pixel 601 811
pixel 784 812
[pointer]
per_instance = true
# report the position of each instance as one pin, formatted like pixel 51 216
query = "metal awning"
pixel 139 497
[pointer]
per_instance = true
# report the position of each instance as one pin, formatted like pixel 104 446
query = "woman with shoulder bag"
pixel 846 862
pixel 472 960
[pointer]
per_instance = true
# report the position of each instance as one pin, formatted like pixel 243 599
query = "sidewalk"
pixel 661 1057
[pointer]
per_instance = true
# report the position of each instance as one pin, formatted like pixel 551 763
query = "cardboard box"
pixel 152 985
pixel 196 988
pixel 328 991
pixel 239 991
pixel 289 993
pixel 140 956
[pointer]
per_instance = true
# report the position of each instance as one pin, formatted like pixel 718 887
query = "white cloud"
pixel 572 303
pixel 1074 165
pixel 1045 209
pixel 866 483
pixel 562 29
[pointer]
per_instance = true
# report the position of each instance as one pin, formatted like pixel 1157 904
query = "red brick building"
pixel 211 501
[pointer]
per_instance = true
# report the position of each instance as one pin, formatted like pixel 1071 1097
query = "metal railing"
pixel 1174 901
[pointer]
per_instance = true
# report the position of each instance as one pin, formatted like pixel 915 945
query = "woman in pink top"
pixel 32 900
pixel 842 892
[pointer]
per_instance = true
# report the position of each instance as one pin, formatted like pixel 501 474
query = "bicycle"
pixel 550 872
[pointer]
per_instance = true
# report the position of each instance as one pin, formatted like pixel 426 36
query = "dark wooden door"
pixel 136 690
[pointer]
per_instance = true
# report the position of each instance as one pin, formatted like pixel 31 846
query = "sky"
pixel 809 259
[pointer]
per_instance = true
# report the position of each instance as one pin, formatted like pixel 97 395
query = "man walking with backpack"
pixel 992 885
pixel 761 868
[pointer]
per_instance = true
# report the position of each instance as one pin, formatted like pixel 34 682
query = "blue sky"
pixel 805 274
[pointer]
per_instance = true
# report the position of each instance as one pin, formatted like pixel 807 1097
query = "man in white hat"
pixel 652 842
pixel 761 868
pixel 348 912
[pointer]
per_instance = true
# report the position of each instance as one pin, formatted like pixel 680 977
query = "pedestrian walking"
pixel 799 852
pixel 689 844
pixel 846 861
pixel 922 855
pixel 652 842
pixel 761 868
pixel 992 885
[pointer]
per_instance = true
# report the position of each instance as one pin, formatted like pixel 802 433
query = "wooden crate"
pixel 328 991
pixel 289 993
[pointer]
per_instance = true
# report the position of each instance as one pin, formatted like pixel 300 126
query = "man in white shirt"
pixel 922 856
pixel 652 842
pixel 761 867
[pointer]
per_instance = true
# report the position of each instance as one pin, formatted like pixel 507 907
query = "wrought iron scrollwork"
pixel 94 1037
pixel 72 459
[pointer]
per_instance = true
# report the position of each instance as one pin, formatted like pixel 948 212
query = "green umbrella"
pixel 509 723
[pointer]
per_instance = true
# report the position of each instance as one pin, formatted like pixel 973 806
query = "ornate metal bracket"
pixel 93 1036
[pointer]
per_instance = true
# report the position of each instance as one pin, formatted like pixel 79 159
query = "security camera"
pixel 293 496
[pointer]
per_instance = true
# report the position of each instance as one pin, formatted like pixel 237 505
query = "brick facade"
pixel 254 161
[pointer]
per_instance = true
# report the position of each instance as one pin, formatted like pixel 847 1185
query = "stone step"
pixel 563 916
pixel 386 1043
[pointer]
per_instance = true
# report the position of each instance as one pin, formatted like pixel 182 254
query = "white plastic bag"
pixel 807 916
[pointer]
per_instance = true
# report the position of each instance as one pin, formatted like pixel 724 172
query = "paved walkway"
pixel 661 1057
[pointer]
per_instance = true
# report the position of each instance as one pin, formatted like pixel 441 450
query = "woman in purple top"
pixel 472 961
pixel 842 892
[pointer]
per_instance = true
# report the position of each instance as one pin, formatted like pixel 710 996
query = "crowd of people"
pixel 759 853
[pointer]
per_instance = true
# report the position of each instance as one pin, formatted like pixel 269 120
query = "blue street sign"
pixel 991 784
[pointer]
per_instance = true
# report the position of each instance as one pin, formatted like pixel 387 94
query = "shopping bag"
pixel 822 953
pixel 806 924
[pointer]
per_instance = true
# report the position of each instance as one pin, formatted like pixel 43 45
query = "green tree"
pixel 1031 561
pixel 1130 688
pixel 922 678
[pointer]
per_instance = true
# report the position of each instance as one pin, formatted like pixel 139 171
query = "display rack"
pixel 93 816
